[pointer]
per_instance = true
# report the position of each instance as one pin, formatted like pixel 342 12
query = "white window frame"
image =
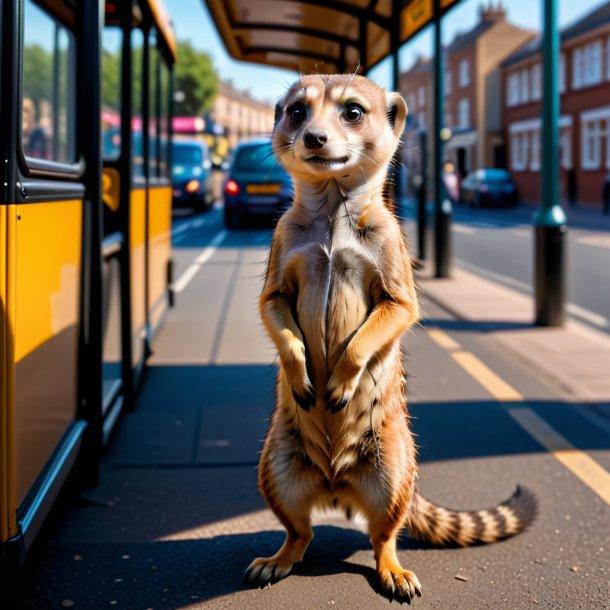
pixel 464 73
pixel 464 113
pixel 535 151
pixel 524 86
pixel 421 96
pixel 593 63
pixel 519 143
pixel 537 82
pixel 591 133
pixel 577 68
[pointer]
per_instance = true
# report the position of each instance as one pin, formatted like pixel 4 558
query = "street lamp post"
pixel 550 220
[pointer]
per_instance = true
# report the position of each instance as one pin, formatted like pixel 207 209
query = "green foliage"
pixel 197 79
pixel 37 74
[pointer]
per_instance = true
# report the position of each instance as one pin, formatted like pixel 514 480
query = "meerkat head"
pixel 337 126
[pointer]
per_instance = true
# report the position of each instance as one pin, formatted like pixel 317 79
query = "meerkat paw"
pixel 295 372
pixel 341 387
pixel 266 571
pixel 401 585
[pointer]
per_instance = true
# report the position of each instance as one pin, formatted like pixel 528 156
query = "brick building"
pixel 584 83
pixel 472 83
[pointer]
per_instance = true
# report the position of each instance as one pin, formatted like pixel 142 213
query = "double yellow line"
pixel 576 461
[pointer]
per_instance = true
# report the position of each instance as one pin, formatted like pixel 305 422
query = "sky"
pixel 193 22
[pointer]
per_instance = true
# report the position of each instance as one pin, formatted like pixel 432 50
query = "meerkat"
pixel 338 295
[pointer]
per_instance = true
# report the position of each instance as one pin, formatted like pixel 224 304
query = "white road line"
pixel 181 228
pixel 601 241
pixel 464 229
pixel 183 281
pixel 575 310
pixel 522 233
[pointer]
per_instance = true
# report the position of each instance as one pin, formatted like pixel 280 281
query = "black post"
pixel 442 203
pixel 550 221
pixel 395 44
pixel 422 196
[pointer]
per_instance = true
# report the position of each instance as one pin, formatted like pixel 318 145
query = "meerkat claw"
pixel 305 402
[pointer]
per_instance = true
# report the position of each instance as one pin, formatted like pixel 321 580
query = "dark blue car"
pixel 256 184
pixel 192 174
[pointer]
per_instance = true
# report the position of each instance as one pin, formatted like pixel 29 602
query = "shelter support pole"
pixel 442 204
pixel 550 223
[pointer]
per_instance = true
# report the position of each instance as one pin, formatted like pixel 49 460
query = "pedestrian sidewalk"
pixel 574 358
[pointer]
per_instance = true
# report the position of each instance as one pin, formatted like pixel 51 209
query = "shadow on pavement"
pixel 475 325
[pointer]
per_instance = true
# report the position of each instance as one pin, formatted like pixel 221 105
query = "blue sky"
pixel 193 22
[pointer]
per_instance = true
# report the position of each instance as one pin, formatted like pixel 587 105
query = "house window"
pixel 464 113
pixel 593 63
pixel 537 82
pixel 448 119
pixel 464 73
pixel 562 73
pixel 512 93
pixel 591 144
pixel 421 119
pixel 577 68
pixel 524 86
pixel 565 149
pixel 519 144
pixel 448 82
pixel 535 156
pixel 608 143
pixel 411 102
pixel 608 58
pixel 421 96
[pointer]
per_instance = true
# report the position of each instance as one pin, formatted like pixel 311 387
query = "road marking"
pixel 578 462
pixel 521 232
pixel 183 281
pixel 443 339
pixel 493 383
pixel 464 229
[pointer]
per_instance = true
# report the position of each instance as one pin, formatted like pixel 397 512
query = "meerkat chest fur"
pixel 337 263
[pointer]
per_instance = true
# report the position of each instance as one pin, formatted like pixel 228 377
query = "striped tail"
pixel 441 526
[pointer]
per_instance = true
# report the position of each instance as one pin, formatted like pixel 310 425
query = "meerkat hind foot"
pixel 399 584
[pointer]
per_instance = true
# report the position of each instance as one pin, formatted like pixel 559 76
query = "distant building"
pixel 584 84
pixel 472 84
pixel 240 115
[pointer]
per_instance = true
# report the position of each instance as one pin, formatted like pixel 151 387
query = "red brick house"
pixel 584 78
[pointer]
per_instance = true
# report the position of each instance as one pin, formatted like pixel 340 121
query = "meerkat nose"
pixel 315 140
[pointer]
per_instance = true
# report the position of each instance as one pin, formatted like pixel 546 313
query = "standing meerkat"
pixel 337 297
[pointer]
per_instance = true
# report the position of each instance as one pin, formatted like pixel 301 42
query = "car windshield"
pixel 494 176
pixel 257 157
pixel 186 155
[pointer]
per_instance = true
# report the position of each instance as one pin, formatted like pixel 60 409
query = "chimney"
pixel 492 13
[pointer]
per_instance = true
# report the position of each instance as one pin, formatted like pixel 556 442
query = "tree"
pixel 197 79
pixel 37 74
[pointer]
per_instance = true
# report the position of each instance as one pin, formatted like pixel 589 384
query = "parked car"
pixel 256 184
pixel 192 174
pixel 488 187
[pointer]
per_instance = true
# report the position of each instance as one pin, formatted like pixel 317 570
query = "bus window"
pixel 153 123
pixel 164 120
pixel 48 106
pixel 111 93
pixel 137 141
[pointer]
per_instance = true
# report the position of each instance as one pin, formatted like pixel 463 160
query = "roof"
pixel 325 36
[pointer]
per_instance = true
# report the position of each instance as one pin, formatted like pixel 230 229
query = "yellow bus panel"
pixel 47 266
pixel 159 250
pixel 137 247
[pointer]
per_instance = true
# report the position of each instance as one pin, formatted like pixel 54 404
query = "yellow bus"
pixel 85 236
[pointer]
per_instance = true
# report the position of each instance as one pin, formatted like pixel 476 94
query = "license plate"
pixel 263 189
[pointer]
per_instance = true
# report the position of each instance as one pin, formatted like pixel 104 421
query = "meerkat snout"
pixel 315 139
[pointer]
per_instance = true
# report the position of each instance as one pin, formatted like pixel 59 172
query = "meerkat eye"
pixel 296 113
pixel 353 113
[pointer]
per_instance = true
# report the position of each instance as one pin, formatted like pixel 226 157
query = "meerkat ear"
pixel 397 113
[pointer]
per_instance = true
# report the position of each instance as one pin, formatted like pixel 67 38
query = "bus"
pixel 85 237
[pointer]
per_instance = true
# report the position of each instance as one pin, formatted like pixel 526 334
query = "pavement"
pixel 177 516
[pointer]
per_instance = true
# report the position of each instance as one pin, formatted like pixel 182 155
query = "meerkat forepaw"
pixel 401 585
pixel 262 572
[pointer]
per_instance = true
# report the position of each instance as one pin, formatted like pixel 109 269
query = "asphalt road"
pixel 177 516
pixel 498 244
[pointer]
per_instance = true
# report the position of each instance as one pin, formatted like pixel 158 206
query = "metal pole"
pixel 442 203
pixel 422 196
pixel 550 221
pixel 395 43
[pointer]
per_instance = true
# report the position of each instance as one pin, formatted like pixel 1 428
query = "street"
pixel 177 516
pixel 498 244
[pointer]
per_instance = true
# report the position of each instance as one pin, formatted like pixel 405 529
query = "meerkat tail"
pixel 444 527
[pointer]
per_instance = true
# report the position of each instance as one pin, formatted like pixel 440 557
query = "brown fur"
pixel 338 295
